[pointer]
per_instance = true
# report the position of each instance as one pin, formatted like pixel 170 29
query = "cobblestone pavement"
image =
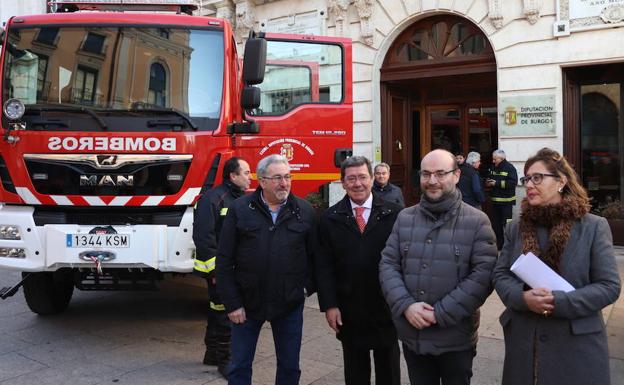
pixel 157 338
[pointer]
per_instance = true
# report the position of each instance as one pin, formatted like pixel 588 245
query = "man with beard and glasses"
pixel 264 265
pixel 435 274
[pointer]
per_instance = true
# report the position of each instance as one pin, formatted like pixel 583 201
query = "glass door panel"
pixel 482 134
pixel 446 128
pixel 602 141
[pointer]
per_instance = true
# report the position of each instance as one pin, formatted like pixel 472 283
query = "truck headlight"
pixel 11 232
pixel 14 109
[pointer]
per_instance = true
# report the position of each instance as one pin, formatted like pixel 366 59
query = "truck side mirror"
pixel 250 98
pixel 254 61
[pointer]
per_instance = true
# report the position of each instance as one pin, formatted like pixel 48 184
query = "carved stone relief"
pixel 338 9
pixel 614 13
pixel 495 13
pixel 532 10
pixel 365 12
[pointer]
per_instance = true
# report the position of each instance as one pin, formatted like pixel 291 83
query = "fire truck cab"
pixel 116 116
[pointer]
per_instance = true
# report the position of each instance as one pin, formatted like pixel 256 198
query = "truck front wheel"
pixel 49 292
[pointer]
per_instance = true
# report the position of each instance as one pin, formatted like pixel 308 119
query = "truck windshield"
pixel 115 78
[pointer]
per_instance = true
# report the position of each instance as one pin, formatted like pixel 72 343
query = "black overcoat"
pixel 347 272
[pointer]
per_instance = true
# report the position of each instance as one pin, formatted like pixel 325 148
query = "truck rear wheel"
pixel 49 292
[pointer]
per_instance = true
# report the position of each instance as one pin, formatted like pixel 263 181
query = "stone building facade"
pixel 537 74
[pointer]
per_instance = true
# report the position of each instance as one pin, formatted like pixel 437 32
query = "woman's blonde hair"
pixel 557 164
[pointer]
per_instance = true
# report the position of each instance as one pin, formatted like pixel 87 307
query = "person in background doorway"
pixel 555 337
pixel 435 273
pixel 383 187
pixel 352 234
pixel 470 182
pixel 460 159
pixel 208 220
pixel 503 180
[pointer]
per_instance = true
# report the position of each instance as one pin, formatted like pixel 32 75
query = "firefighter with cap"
pixel 503 179
pixel 209 215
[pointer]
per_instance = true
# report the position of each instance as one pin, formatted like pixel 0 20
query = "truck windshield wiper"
pixel 83 109
pixel 181 114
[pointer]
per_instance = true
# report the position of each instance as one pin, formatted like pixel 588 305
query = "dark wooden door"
pixel 395 127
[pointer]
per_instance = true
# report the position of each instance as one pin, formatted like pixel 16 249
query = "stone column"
pixel 365 12
pixel 225 10
pixel 245 19
pixel 338 9
pixel 495 13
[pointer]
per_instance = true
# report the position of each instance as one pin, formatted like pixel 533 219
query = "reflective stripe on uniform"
pixel 500 173
pixel 204 266
pixel 509 220
pixel 223 211
pixel 217 307
pixel 503 184
pixel 511 199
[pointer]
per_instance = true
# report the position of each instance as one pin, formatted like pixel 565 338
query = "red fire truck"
pixel 116 119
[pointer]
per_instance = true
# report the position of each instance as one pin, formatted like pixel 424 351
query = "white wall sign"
pixel 582 15
pixel 527 115
pixel 309 23
pixel 589 8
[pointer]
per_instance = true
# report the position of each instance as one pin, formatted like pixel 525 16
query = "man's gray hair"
pixel 263 165
pixel 383 164
pixel 473 157
pixel 500 153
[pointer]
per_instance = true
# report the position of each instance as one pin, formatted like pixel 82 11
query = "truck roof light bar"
pixel 178 6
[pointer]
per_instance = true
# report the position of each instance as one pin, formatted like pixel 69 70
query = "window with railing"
pixel 85 83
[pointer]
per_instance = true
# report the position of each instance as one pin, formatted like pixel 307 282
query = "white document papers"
pixel 536 273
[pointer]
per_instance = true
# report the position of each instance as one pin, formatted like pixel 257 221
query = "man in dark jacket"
pixel 264 270
pixel 352 234
pixel 208 220
pixel 470 181
pixel 503 179
pixel 435 274
pixel 383 187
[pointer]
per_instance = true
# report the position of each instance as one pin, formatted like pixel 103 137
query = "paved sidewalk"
pixel 156 338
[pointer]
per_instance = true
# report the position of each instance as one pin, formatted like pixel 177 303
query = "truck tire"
pixel 48 292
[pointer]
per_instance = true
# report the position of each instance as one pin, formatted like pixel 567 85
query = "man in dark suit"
pixel 352 234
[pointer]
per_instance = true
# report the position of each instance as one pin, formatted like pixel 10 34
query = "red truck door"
pixel 305 110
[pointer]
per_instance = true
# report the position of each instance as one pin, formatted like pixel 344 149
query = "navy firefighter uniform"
pixel 210 212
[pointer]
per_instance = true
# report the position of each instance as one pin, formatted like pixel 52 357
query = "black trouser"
pixel 218 332
pixel 453 368
pixel 500 215
pixel 357 365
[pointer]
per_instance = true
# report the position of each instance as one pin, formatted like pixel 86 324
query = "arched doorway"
pixel 438 90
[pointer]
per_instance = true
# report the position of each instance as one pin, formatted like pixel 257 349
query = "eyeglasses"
pixel 536 178
pixel 426 175
pixel 278 178
pixel 363 178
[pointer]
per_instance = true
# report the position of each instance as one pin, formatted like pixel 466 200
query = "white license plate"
pixel 98 240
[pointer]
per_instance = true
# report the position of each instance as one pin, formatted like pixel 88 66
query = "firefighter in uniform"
pixel 209 215
pixel 503 179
